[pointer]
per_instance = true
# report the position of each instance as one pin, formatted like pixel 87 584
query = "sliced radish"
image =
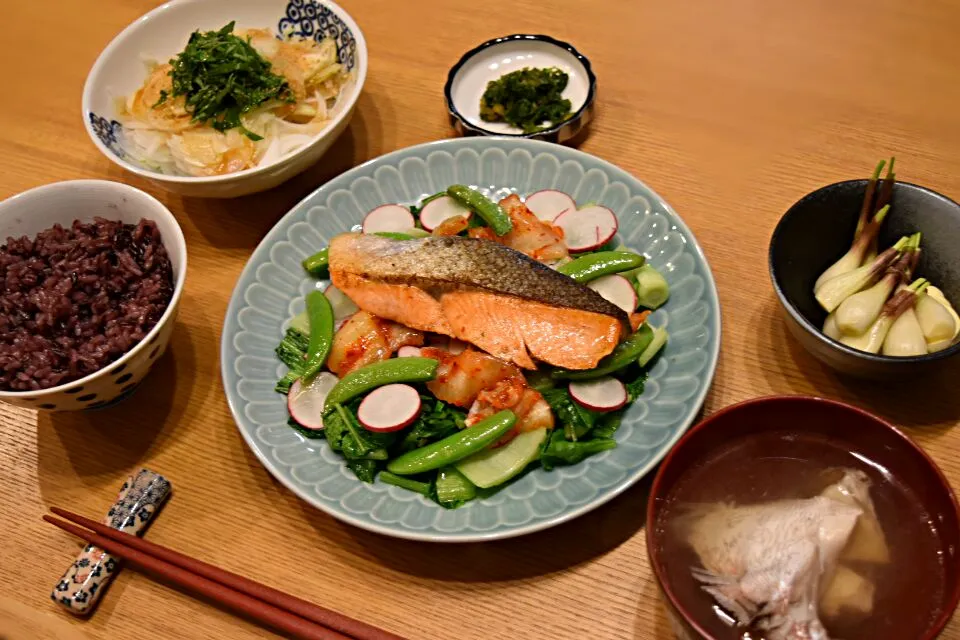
pixel 408 351
pixel 549 203
pixel 388 217
pixel 440 209
pixel 305 402
pixel 587 229
pixel 616 289
pixel 456 346
pixel 389 408
pixel 602 394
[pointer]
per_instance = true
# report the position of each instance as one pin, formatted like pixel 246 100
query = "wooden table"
pixel 730 110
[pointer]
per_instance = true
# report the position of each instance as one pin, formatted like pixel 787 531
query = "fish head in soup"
pixel 768 563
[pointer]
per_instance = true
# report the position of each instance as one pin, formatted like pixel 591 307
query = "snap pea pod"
pixel 455 447
pixel 320 315
pixel 318 263
pixel 379 374
pixel 491 212
pixel 626 352
pixel 602 263
pixel 394 235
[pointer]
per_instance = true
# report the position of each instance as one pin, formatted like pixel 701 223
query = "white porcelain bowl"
pixel 161 34
pixel 32 211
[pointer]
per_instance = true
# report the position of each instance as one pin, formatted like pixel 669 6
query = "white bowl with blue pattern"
pixel 35 210
pixel 161 34
pixel 272 286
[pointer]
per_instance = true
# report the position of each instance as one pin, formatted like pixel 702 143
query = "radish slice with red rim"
pixel 305 401
pixel 435 212
pixel 388 217
pixel 601 394
pixel 616 289
pixel 408 351
pixel 588 228
pixel 549 203
pixel 389 408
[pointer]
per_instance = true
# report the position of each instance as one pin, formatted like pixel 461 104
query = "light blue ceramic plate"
pixel 271 290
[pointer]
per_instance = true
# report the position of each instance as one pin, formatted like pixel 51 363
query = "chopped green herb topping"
pixel 526 99
pixel 223 77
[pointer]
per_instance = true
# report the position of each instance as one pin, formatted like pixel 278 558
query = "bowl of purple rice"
pixel 91 273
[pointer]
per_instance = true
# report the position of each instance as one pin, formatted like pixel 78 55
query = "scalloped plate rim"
pixel 394 530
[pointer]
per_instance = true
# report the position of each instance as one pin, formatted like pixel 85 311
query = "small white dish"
pixel 161 34
pixel 468 80
pixel 30 212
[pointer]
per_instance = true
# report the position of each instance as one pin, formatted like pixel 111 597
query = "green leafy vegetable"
pixel 365 470
pixel 540 381
pixel 364 450
pixel 560 451
pixel 417 208
pixel 346 435
pixel 475 221
pixel 292 352
pixel 354 444
pixel 423 488
pixel 223 77
pixel 526 99
pixel 577 421
pixel 436 421
pixel 635 386
pixel 313 434
pixel 607 424
pixel 336 429
pixel 453 489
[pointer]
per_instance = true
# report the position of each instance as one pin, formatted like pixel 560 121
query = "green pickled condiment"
pixel 526 99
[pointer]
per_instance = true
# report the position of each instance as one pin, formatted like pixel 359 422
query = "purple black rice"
pixel 74 300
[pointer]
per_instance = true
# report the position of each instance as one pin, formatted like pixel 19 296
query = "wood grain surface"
pixel 730 110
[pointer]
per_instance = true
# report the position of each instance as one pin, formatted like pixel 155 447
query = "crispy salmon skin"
pixel 495 297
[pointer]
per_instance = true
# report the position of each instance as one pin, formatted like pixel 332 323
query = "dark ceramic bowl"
pixel 818 229
pixel 468 79
pixel 878 440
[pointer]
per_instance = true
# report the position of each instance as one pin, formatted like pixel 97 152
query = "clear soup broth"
pixel 906 591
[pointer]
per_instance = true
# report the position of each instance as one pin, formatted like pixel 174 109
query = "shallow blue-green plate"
pixel 271 289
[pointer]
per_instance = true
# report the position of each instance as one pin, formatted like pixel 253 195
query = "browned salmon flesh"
pixel 481 292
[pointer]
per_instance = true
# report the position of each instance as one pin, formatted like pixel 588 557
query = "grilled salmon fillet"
pixel 490 295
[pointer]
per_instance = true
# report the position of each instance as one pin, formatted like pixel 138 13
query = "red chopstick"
pixel 304 609
pixel 260 602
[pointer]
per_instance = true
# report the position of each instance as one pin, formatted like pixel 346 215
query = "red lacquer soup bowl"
pixel 755 428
